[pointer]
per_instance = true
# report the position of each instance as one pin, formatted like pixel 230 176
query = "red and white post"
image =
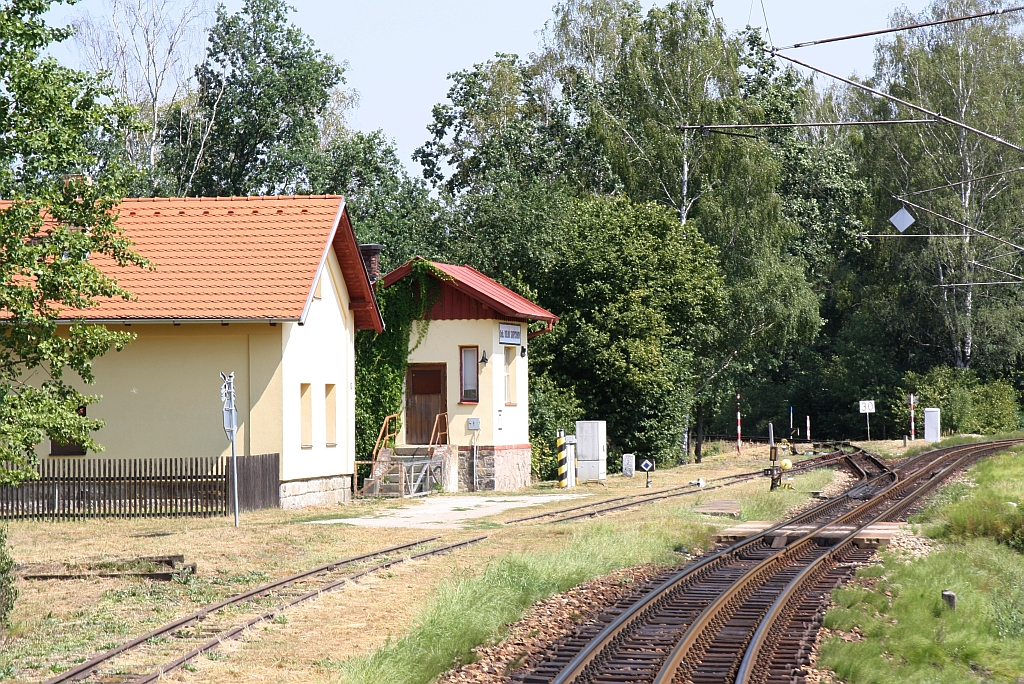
pixel 912 436
pixel 739 427
pixel 808 432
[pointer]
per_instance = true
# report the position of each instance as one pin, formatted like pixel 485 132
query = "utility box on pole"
pixel 591 450
pixel 932 425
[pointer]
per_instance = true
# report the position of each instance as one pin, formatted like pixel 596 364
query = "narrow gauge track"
pixel 600 507
pixel 748 613
pixel 204 630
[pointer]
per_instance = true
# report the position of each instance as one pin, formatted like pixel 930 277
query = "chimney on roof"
pixel 371 260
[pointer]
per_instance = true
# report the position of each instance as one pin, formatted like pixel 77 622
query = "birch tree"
pixel 973 72
pixel 145 50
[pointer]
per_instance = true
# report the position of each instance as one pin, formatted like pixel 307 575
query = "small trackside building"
pixel 270 288
pixel 472 364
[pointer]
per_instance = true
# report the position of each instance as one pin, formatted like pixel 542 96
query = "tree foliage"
pixel 59 212
pixel 251 125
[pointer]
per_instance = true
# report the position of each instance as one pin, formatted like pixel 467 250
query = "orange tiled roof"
pixel 234 258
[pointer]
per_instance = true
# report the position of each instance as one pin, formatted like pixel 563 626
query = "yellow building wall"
pixel 160 396
pixel 441 345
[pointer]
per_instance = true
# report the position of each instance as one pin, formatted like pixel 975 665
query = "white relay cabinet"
pixel 591 450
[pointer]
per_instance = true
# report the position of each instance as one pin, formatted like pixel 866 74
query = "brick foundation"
pixel 316 491
pixel 504 468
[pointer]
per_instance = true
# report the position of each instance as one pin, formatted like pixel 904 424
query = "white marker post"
pixel 808 433
pixel 867 408
pixel 912 435
pixel 227 395
pixel 739 427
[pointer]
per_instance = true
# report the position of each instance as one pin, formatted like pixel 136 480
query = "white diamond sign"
pixel 902 219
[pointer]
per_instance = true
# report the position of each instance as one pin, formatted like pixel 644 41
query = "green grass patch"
pixel 466 612
pixel 994 508
pixel 910 635
pixel 768 505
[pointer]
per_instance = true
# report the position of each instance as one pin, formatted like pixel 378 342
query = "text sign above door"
pixel 510 333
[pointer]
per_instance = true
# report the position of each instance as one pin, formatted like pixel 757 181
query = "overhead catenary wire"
pixel 987 282
pixel 961 224
pixel 914 235
pixel 963 182
pixel 906 27
pixel 892 98
pixel 997 270
pixel 809 124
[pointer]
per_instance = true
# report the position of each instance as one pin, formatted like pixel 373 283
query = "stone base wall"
pixel 503 468
pixel 316 491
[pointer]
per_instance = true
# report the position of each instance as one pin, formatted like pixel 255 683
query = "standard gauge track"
pixel 622 502
pixel 749 612
pixel 166 648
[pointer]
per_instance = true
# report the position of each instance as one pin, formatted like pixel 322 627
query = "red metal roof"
pixel 474 285
pixel 234 258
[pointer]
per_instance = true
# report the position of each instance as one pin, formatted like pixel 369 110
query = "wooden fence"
pixel 259 482
pixel 90 487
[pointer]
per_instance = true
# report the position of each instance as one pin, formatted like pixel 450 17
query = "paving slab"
pixel 873 536
pixel 447 512
pixel 727 507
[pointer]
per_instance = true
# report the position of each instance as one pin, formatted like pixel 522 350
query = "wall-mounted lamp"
pixel 483 357
pixel 522 351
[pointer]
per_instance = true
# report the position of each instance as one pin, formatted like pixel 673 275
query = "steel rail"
pixel 743 477
pixel 238 630
pixel 72 674
pixel 799 466
pixel 714 613
pixel 575 667
pixel 749 666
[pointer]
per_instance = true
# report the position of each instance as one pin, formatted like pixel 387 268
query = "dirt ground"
pixel 58 623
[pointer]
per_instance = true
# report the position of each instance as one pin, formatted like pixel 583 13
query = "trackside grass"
pixel 909 635
pixel 466 612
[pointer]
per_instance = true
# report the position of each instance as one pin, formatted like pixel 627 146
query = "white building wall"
pixel 321 352
pixel 512 422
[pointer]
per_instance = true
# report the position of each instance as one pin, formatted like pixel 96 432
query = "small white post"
pixel 808 428
pixel 739 427
pixel 912 436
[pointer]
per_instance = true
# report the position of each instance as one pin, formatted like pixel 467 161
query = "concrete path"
pixel 447 512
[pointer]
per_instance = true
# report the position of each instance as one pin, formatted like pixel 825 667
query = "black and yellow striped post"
pixel 563 468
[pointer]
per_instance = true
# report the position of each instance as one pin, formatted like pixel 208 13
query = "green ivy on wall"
pixel 382 360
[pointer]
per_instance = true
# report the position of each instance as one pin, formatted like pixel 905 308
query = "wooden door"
pixel 425 397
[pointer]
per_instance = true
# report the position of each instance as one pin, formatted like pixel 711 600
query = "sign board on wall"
pixel 510 333
pixel 867 406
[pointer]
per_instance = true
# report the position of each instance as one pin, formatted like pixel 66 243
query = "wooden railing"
pixel 92 487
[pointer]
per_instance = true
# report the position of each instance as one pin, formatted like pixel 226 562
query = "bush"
pixel 8 592
pixel 967 404
pixel 551 407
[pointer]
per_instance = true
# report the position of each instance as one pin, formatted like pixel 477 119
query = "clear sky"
pixel 401 51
